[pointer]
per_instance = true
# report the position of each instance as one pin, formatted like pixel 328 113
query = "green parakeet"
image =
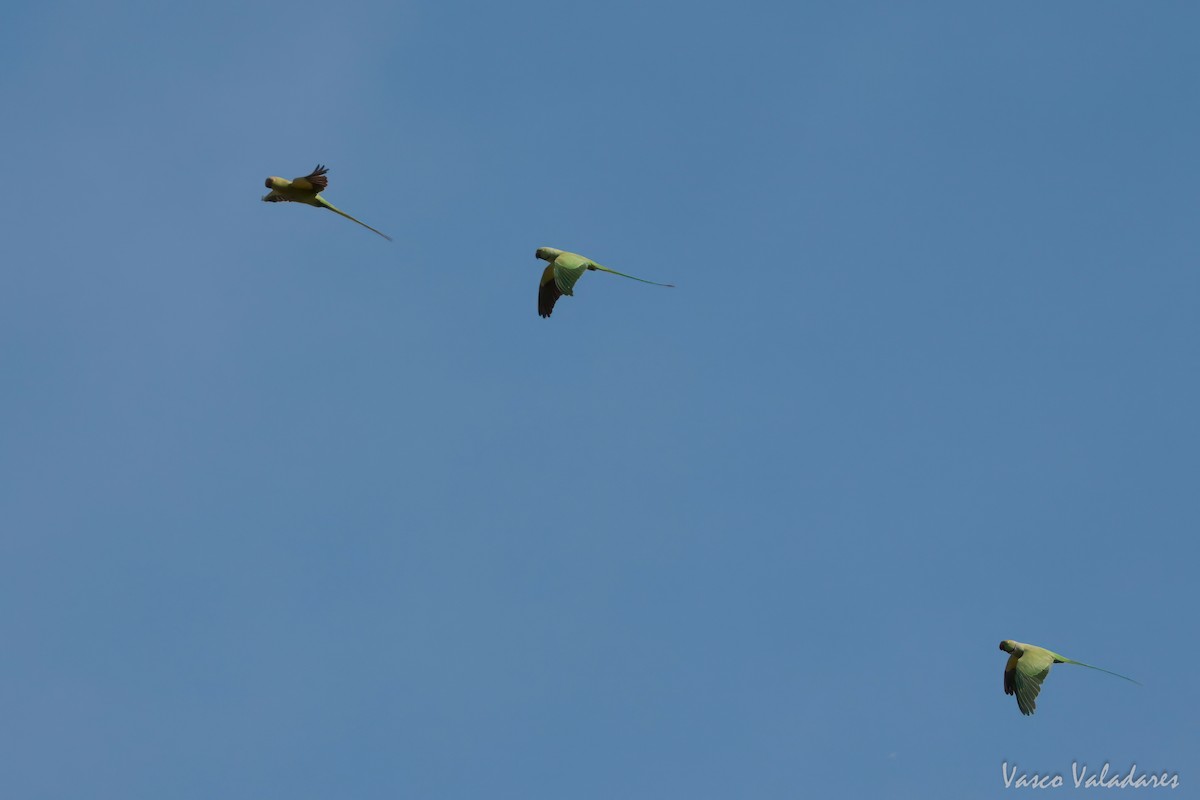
pixel 1028 665
pixel 308 190
pixel 564 270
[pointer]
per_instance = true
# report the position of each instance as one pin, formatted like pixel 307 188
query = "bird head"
pixel 547 253
pixel 277 183
pixel 1009 646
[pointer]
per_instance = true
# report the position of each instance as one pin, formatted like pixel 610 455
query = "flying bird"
pixel 308 190
pixel 1028 665
pixel 560 276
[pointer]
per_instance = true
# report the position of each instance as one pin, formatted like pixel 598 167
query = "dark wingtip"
pixel 548 295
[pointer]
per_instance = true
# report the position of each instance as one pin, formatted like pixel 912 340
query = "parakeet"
pixel 560 276
pixel 308 190
pixel 1028 665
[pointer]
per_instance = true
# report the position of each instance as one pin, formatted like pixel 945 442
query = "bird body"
pixel 1028 665
pixel 308 190
pixel 562 272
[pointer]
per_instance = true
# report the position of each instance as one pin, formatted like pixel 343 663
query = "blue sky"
pixel 292 511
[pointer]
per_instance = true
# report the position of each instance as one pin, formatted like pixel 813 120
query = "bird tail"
pixel 337 210
pixel 631 277
pixel 1100 669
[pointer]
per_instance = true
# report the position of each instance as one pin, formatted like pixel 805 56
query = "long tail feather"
pixel 337 210
pixel 631 277
pixel 1101 669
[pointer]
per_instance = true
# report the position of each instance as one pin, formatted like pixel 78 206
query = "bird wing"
pixel 274 197
pixel 568 268
pixel 548 292
pixel 1023 676
pixel 314 181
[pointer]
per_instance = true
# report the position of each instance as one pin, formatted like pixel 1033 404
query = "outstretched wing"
pixel 1023 676
pixel 548 292
pixel 559 279
pixel 314 181
pixel 274 197
pixel 568 268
